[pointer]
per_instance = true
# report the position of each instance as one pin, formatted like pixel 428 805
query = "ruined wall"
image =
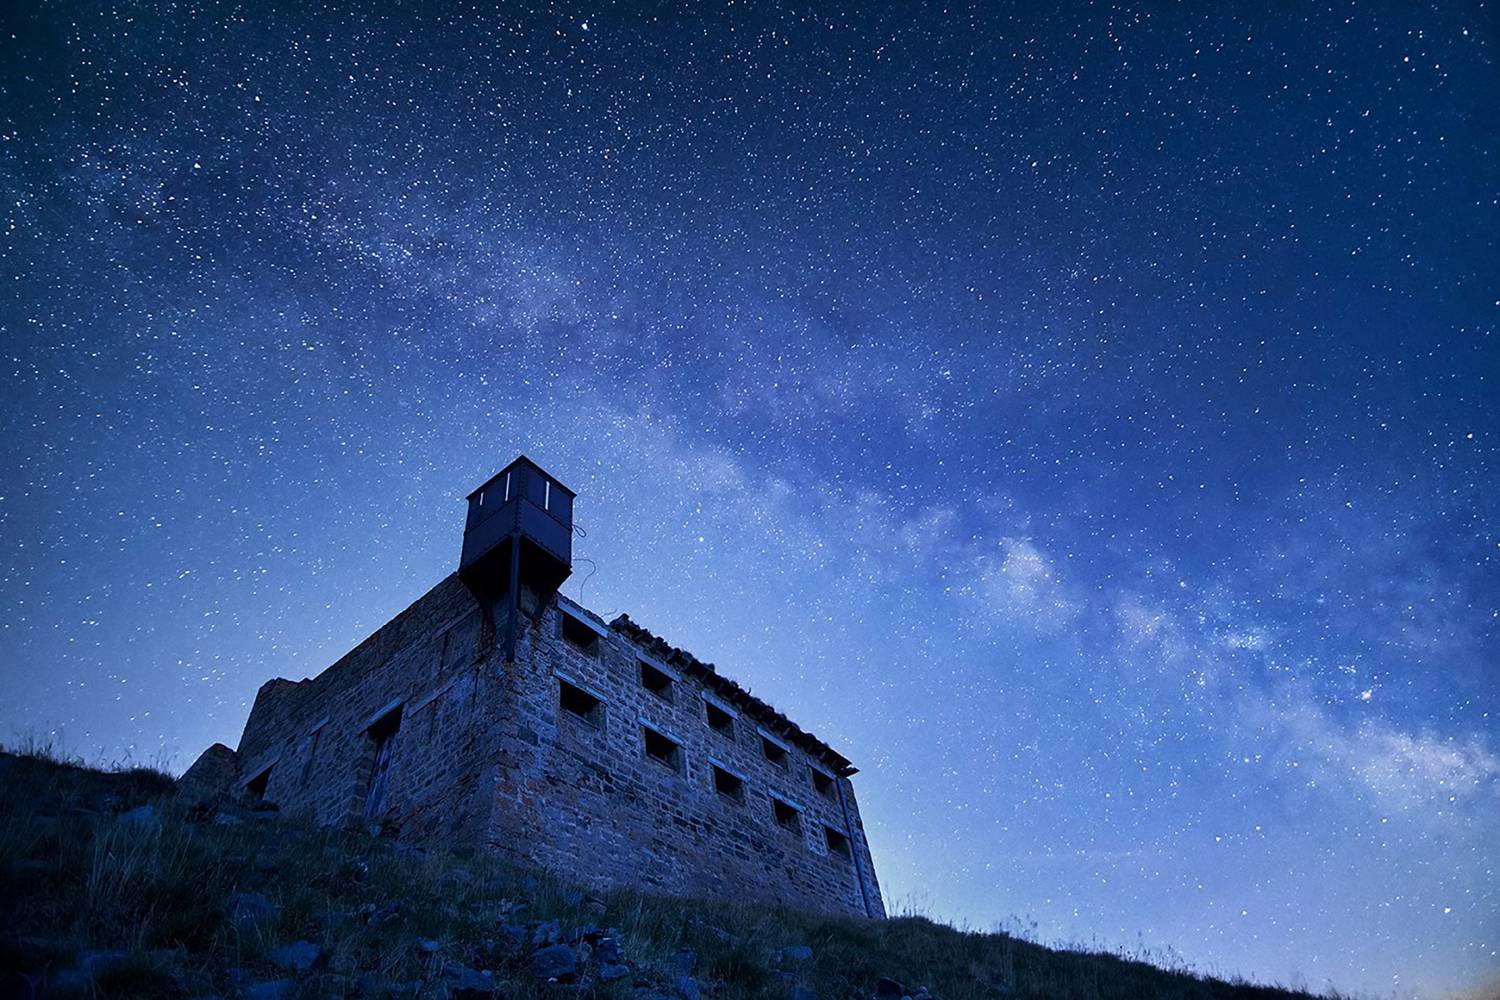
pixel 212 775
pixel 581 794
pixel 486 753
pixel 315 738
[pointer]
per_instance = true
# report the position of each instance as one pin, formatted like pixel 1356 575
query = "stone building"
pixel 494 711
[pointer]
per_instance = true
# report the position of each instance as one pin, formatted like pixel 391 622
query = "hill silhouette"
pixel 118 886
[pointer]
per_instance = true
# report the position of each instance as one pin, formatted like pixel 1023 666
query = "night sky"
pixel 1081 416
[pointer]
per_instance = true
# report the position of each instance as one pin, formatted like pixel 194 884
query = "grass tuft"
pixel 117 888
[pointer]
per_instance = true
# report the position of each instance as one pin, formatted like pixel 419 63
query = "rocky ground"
pixel 114 885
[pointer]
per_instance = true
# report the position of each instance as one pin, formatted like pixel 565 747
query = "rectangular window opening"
pixel 256 788
pixel 837 842
pixel 822 783
pixel 729 785
pixel 580 704
pixel 788 816
pixel 719 720
pixel 580 636
pixel 774 752
pixel 662 749
pixel 657 682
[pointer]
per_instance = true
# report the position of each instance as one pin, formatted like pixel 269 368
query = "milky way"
pixel 1081 417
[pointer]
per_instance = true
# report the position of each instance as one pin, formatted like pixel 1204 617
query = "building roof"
pixel 731 692
pixel 521 461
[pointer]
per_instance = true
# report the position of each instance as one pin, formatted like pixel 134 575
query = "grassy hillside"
pixel 115 887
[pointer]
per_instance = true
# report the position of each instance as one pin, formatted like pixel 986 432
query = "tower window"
pixel 656 681
pixel 788 816
pixel 822 783
pixel 837 842
pixel 719 720
pixel 729 785
pixel 773 751
pixel 579 635
pixel 662 749
pixel 578 702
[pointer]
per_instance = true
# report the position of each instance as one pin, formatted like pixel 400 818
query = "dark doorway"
pixel 384 735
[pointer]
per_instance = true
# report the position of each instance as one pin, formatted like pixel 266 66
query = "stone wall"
pixel 485 752
pixel 212 775
pixel 315 738
pixel 581 794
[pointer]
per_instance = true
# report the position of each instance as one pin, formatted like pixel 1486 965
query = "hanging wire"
pixel 578 530
pixel 593 568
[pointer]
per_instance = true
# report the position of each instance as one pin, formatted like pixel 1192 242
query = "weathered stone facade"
pixel 599 751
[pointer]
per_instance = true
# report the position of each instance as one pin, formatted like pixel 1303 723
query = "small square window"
pixel 656 681
pixel 729 785
pixel 822 783
pixel 580 636
pixel 774 752
pixel 719 720
pixel 580 704
pixel 662 749
pixel 837 842
pixel 788 816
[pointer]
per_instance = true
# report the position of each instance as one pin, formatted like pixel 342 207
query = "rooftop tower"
pixel 518 543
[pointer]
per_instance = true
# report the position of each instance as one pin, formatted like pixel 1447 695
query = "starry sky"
pixel 1081 415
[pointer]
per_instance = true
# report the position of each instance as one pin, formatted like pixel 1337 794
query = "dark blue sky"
pixel 1083 416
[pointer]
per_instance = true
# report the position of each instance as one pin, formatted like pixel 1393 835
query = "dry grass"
pixel 82 872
